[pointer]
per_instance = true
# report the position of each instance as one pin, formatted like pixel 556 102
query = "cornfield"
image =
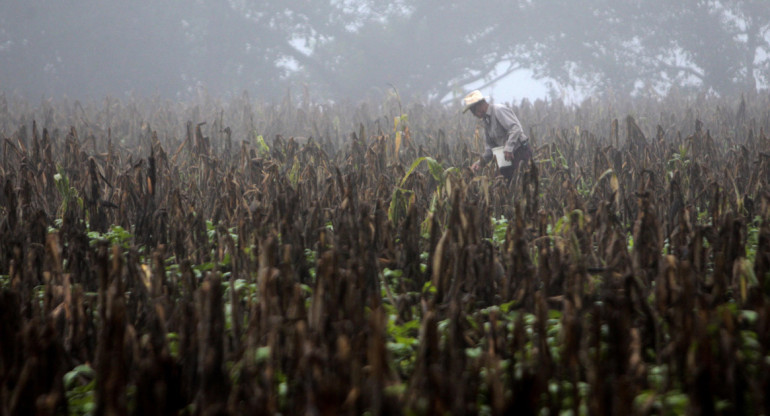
pixel 242 258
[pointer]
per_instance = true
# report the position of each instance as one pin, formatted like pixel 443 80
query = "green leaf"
pixel 396 273
pixel 750 316
pixel 677 401
pixel 262 148
pixel 399 349
pixel 506 307
pixel 82 370
pixel 473 353
pixel 262 354
pixel 395 389
pixel 435 169
pixel 294 172
pixel 399 204
pixel 412 168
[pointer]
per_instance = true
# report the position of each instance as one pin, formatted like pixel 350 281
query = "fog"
pixel 354 49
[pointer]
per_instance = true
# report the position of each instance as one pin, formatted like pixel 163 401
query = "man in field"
pixel 502 129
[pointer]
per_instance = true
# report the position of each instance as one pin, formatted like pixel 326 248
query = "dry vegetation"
pixel 163 258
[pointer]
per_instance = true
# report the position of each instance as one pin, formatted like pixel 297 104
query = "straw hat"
pixel 472 98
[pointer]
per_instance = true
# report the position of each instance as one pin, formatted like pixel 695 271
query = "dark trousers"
pixel 522 155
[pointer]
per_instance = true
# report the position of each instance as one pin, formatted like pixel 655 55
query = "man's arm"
pixel 485 158
pixel 487 155
pixel 507 118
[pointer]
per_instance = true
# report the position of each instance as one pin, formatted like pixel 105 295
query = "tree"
pixel 80 47
pixel 427 48
pixel 340 49
pixel 721 43
pixel 167 49
pixel 349 48
pixel 632 45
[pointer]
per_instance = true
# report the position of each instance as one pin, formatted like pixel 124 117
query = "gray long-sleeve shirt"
pixel 502 128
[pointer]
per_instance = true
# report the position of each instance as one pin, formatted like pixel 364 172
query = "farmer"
pixel 501 128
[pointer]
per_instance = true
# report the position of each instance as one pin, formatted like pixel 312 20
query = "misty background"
pixel 434 50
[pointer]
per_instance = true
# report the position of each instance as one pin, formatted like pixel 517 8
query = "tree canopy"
pixel 633 45
pixel 352 48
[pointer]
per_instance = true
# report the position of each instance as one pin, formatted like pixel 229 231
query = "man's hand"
pixel 508 155
pixel 476 166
